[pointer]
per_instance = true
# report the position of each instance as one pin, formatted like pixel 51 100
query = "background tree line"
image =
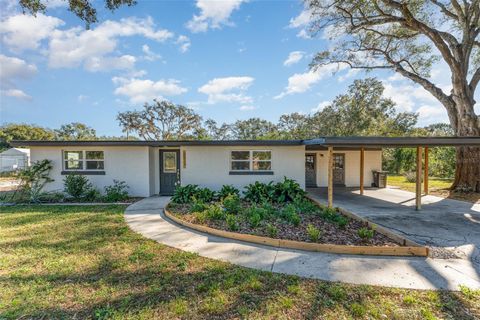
pixel 361 111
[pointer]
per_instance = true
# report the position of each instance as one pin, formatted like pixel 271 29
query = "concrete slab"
pixel 147 218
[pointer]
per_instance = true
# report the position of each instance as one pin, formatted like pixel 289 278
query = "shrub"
pixel 184 194
pixel 268 209
pixel 313 233
pixel 258 192
pixel 255 219
pixel 201 217
pixel 204 194
pixel 341 221
pixel 198 206
pixel 231 222
pixel 215 212
pixel 91 195
pixel 228 190
pixel 287 190
pixel 290 215
pixel 116 192
pixel 231 203
pixel 51 197
pixel 34 179
pixel 304 205
pixel 78 187
pixel 332 215
pixel 272 231
pixel 365 233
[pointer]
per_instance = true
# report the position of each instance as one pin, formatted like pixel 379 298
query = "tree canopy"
pixel 75 131
pixel 21 131
pixel 83 9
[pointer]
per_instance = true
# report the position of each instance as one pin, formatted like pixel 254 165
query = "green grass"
pixel 433 183
pixel 84 262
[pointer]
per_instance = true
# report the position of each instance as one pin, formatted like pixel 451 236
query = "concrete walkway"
pixel 147 218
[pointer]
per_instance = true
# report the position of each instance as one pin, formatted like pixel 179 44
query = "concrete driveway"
pixel 450 227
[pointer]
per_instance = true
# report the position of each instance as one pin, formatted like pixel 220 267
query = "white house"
pixel 14 159
pixel 155 167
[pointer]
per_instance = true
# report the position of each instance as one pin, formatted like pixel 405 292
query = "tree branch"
pixel 475 80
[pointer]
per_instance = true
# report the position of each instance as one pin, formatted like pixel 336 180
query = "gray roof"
pixel 345 142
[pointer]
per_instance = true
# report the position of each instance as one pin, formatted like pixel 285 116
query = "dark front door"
pixel 310 171
pixel 339 168
pixel 169 171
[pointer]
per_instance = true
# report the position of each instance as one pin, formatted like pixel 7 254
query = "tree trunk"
pixel 466 124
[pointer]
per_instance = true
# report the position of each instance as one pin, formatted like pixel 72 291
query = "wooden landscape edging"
pixel 308 246
pixel 385 231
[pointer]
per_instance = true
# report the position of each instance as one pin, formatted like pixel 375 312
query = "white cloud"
pixel 321 106
pixel 184 43
pixel 301 82
pixel 23 31
pixel 247 108
pixel 149 54
pixel 16 93
pixel 428 114
pixel 213 14
pixel 82 98
pixel 144 90
pixel 229 89
pixel 302 21
pixel 294 57
pixel 11 70
pixel 77 46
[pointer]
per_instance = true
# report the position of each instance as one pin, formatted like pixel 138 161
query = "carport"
pixel 421 144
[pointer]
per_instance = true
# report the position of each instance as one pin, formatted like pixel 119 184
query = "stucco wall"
pixel 209 166
pixel 373 161
pixel 130 164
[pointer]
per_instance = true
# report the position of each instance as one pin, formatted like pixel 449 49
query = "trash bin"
pixel 380 179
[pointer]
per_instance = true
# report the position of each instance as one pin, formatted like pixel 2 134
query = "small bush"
pixel 198 206
pixel 411 176
pixel 365 233
pixel 215 212
pixel 341 221
pixel 332 215
pixel 228 190
pixel 272 231
pixel 304 205
pixel 290 215
pixel 33 179
pixel 258 192
pixel 184 194
pixel 92 195
pixel 204 194
pixel 231 203
pixel 78 187
pixel 116 192
pixel 51 197
pixel 255 219
pixel 200 217
pixel 231 222
pixel 287 190
pixel 313 233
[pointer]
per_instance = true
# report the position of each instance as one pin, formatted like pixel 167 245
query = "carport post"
pixel 362 168
pixel 418 186
pixel 330 177
pixel 425 173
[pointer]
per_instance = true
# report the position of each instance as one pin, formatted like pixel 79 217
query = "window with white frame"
pixel 83 160
pixel 251 160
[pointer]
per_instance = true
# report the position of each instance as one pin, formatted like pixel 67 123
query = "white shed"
pixel 14 159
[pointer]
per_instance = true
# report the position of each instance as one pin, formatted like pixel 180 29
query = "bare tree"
pixel 161 120
pixel 409 37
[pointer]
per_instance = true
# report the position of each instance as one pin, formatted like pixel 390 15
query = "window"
pixel 170 162
pixel 255 160
pixel 83 160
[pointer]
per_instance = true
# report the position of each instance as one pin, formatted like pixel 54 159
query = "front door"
pixel 169 171
pixel 339 168
pixel 310 171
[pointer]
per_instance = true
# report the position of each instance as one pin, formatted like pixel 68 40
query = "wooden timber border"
pixel 412 249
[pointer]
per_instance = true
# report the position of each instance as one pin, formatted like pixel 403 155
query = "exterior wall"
pixel 373 161
pixel 209 166
pixel 129 164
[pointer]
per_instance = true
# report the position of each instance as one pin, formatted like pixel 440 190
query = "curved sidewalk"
pixel 147 217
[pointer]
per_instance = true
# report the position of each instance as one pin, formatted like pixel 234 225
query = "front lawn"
pixel 436 186
pixel 84 262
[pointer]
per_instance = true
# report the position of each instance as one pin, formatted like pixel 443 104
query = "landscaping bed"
pixel 278 211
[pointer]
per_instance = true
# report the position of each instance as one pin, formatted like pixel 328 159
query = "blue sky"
pixel 228 60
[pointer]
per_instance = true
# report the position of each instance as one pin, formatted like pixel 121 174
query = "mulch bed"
pixel 330 232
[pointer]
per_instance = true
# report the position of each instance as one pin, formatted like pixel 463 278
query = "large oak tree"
pixel 409 37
